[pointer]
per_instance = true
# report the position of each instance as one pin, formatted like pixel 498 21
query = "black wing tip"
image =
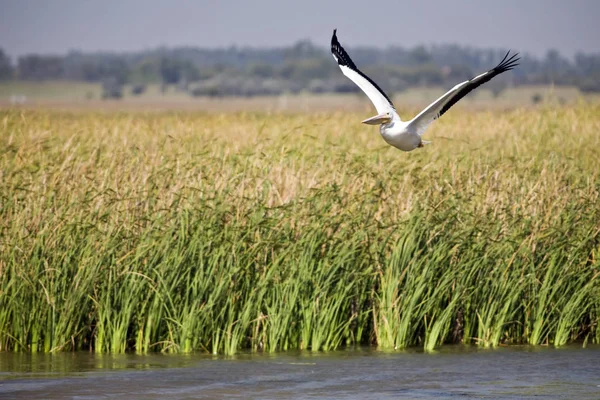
pixel 339 53
pixel 507 62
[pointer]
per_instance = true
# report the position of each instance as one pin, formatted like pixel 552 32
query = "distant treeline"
pixel 301 67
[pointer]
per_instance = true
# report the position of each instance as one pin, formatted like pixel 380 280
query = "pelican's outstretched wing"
pixel 377 96
pixel 443 104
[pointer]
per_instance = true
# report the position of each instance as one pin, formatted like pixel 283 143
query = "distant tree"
pixel 554 61
pixel 306 70
pixel 138 89
pixel 36 67
pixel 95 69
pixel 426 74
pixel 112 89
pixel 261 70
pixel 6 68
pixel 302 66
pixel 459 73
pixel 190 72
pixel 419 55
pixel 344 86
pixel 207 72
pixel 116 69
pixel 174 71
pixel 302 50
pixel 145 71
pixel 590 84
pixel 587 63
pixel 90 72
pixel 169 71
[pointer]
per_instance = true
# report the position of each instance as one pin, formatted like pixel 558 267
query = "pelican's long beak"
pixel 378 119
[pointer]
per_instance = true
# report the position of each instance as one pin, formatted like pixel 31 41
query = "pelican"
pixel 406 135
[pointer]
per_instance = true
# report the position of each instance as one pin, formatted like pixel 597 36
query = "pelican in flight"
pixel 406 135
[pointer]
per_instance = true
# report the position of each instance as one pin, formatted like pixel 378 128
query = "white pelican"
pixel 406 135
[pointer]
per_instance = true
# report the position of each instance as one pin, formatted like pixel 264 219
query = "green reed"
pixel 183 232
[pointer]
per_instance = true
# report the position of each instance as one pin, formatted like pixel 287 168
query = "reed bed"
pixel 183 232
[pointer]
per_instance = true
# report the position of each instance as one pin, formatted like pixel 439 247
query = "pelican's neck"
pixel 395 117
pixel 394 121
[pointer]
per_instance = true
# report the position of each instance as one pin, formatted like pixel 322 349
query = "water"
pixel 512 373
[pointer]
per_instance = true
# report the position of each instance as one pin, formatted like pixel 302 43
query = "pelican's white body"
pixel 398 134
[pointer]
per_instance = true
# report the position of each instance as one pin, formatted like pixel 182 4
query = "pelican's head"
pixel 384 118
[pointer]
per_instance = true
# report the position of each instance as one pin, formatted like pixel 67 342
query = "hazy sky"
pixel 56 26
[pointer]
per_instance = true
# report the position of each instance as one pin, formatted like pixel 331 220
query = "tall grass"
pixel 221 232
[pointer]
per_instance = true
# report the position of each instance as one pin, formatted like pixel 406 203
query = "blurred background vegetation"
pixel 302 67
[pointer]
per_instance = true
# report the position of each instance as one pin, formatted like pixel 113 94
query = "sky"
pixel 533 26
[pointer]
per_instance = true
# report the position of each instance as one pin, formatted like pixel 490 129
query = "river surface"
pixel 452 372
